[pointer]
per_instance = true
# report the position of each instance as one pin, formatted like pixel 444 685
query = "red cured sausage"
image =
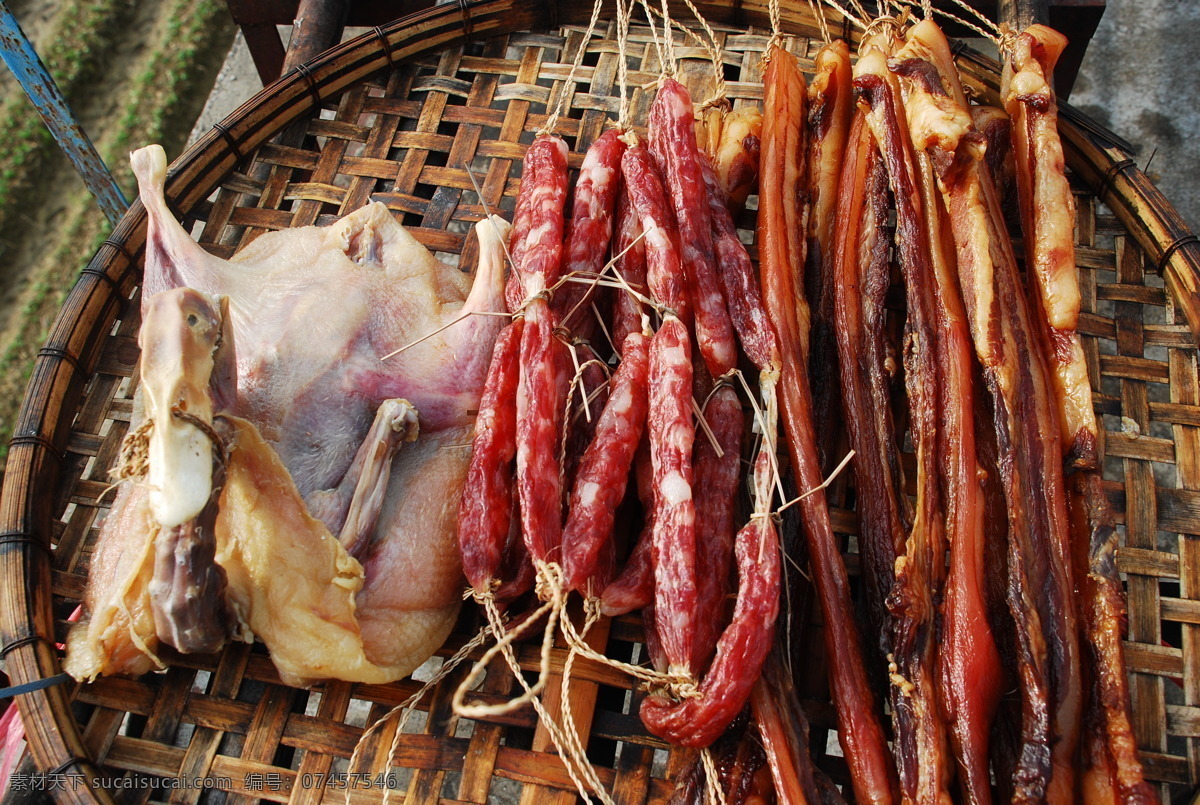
pixel 600 483
pixel 540 393
pixel 630 266
pixel 673 145
pixel 487 504
pixel 591 226
pixel 740 286
pixel 663 273
pixel 740 653
pixel 672 434
pixel 716 479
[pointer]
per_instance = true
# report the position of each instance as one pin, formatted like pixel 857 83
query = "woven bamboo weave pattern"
pixel 419 137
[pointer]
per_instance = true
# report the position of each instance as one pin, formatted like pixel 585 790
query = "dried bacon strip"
pixel 600 482
pixel 970 675
pixel 781 253
pixel 830 103
pixel 993 123
pixel 1048 221
pixel 784 730
pixel 735 151
pixel 782 250
pixel 1047 214
pixel 1028 461
pixel 1040 588
pixel 486 511
pixel 921 750
pixel 861 278
pixel 740 764
pixel 1111 757
pixel 539 394
pixel 673 145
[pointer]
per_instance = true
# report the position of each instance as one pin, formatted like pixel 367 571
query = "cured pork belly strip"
pixel 920 745
pixel 830 103
pixel 781 254
pixel 784 731
pixel 969 663
pixel 1048 221
pixel 1112 768
pixel 732 140
pixel 862 275
pixel 992 122
pixel 1040 587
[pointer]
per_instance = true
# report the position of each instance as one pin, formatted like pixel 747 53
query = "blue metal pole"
pixel 35 79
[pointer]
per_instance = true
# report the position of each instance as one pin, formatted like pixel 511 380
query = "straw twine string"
pixel 552 121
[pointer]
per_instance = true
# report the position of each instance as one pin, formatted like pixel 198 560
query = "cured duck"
pixel 301 435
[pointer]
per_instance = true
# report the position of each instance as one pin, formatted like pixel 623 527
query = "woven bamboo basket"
pixel 395 116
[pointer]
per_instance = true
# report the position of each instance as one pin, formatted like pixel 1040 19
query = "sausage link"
pixel 600 482
pixel 487 504
pixel 716 501
pixel 740 652
pixel 673 145
pixel 591 227
pixel 541 390
pixel 672 434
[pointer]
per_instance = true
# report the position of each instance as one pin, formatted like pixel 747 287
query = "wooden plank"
pixel 266 729
pixel 147 757
pixel 426 785
pixel 1185 390
pixel 572 706
pixel 484 747
pixel 1159 660
pixel 202 749
pixel 316 765
pixel 1145 562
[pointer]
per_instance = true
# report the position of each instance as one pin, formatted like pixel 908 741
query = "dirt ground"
pixel 134 71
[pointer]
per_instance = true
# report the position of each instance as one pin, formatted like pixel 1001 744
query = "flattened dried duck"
pixel 335 525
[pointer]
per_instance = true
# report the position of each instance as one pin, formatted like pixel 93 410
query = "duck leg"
pixel 352 508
